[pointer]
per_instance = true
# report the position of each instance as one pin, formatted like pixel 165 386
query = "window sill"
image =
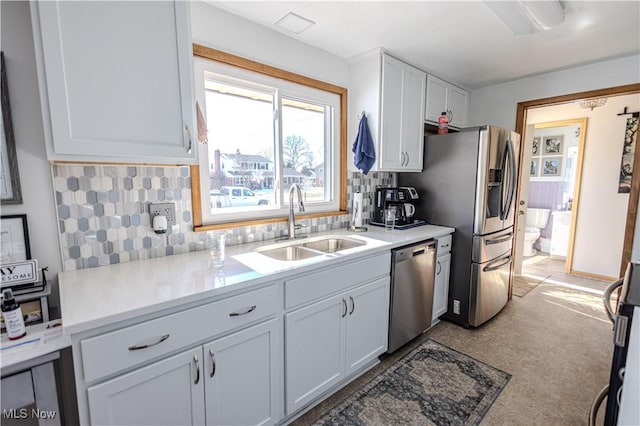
pixel 262 221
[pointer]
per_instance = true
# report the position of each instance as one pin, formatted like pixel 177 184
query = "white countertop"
pixel 96 297
pixel 41 339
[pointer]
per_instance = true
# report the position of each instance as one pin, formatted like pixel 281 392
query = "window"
pixel 266 134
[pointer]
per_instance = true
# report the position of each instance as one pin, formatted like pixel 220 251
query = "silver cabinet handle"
pixel 186 127
pixel 197 364
pixel 450 114
pixel 213 363
pixel 344 304
pixel 148 344
pixel 353 305
pixel 244 312
pixel 439 268
pixel 408 158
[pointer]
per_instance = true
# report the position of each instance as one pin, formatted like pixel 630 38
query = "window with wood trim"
pixel 267 129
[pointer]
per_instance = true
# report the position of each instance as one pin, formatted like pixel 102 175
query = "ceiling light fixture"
pixel 294 23
pixel 592 103
pixel 528 17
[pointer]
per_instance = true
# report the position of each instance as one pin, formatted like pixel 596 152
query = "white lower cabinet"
pixel 441 287
pixel 233 380
pixel 168 392
pixel 332 338
pixel 241 377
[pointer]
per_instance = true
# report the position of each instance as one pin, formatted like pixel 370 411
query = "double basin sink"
pixel 306 249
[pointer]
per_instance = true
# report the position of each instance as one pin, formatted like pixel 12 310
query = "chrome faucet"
pixel 292 219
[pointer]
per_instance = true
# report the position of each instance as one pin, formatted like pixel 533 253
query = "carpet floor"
pixel 431 385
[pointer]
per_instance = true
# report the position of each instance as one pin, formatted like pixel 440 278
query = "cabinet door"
pixel 413 118
pixel 457 103
pixel 441 287
pixel 436 102
pixel 390 154
pixel 314 350
pixel 367 324
pixel 168 392
pixel 116 80
pixel 241 377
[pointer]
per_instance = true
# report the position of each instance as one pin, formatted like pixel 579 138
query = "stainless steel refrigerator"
pixel 469 183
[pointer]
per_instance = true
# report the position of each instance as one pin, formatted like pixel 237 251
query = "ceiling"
pixel 463 42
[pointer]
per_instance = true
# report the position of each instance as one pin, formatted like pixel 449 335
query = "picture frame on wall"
pixel 551 167
pixel 533 170
pixel 10 192
pixel 552 145
pixel 14 238
pixel 535 149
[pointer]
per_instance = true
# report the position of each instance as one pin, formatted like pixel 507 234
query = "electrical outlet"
pixel 456 307
pixel 167 210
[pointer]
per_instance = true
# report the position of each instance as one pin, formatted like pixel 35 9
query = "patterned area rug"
pixel 432 385
pixel 523 284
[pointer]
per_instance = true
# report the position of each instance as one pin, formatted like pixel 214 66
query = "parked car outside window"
pixel 240 196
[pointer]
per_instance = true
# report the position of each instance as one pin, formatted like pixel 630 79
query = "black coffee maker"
pixel 401 199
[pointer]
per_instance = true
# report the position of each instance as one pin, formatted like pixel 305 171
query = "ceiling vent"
pixel 294 23
pixel 528 17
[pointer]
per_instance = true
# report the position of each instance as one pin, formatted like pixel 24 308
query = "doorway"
pixel 550 193
pixel 526 113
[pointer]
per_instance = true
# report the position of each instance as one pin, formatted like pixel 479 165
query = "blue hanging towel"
pixel 365 153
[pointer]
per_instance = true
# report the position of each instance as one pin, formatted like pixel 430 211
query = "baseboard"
pixel 594 276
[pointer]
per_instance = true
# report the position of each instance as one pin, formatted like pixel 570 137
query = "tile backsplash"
pixel 103 213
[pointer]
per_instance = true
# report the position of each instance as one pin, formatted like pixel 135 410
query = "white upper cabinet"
pixel 392 94
pixel 445 97
pixel 116 80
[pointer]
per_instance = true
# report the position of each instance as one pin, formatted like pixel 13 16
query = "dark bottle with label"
pixel 12 314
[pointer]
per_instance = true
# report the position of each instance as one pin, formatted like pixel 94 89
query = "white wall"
pixel 230 33
pixel 34 169
pixel 497 104
pixel 602 211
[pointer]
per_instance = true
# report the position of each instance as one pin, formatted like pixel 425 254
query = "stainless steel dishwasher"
pixel 412 278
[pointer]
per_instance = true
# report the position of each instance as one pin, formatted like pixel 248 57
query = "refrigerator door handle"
pixel 490 266
pixel 512 179
pixel 502 239
pixel 503 165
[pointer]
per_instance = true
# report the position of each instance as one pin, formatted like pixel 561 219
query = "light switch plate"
pixel 167 210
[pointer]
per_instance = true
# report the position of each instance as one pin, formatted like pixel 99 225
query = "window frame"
pixel 200 51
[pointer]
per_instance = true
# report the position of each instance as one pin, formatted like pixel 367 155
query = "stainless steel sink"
pixel 300 250
pixel 332 245
pixel 294 252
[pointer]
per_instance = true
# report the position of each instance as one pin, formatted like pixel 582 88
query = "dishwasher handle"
pixel 407 253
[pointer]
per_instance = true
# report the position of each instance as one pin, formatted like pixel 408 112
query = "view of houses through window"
pixel 261 141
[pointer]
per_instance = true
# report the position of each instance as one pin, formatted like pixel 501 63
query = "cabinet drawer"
pixel 137 344
pixel 444 244
pixel 313 286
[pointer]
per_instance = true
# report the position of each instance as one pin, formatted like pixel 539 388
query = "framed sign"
pixel 14 239
pixel 9 180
